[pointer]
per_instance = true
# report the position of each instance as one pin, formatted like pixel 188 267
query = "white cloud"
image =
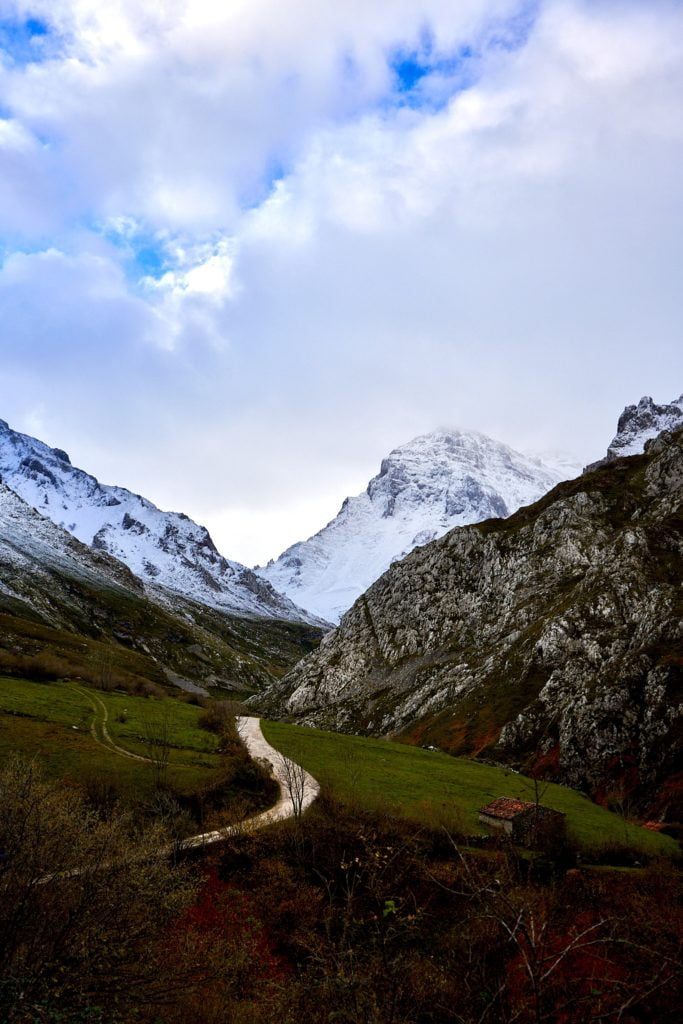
pixel 68 310
pixel 204 270
pixel 505 258
pixel 176 112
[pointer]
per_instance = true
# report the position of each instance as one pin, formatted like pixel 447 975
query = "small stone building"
pixel 528 824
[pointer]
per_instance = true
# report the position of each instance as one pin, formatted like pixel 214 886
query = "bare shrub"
pixel 83 902
pixel 293 776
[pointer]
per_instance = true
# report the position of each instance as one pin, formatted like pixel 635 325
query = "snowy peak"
pixel 166 548
pixel 48 578
pixel 639 423
pixel 424 488
pixel 455 472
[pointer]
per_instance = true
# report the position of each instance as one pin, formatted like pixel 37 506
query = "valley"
pixel 126 747
pixel 531 658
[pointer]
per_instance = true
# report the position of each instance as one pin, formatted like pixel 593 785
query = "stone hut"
pixel 528 824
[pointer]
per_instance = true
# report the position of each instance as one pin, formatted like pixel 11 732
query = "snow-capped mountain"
pixel 32 549
pixel 423 489
pixel 58 595
pixel 639 423
pixel 165 548
pixel 562 622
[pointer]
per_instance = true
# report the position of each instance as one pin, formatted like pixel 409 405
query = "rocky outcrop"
pixel 639 424
pixel 553 637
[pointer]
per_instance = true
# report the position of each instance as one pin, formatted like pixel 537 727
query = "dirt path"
pixel 259 748
pixel 100 718
pixel 297 786
pixel 305 788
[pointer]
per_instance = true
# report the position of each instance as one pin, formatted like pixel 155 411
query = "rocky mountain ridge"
pixel 423 489
pixel 62 597
pixel 166 548
pixel 552 638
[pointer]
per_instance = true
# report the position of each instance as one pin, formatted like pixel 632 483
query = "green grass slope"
pixel 433 787
pixel 52 722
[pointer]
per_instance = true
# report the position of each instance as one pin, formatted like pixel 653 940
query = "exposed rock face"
pixel 640 423
pixel 423 489
pixel 555 635
pixel 166 547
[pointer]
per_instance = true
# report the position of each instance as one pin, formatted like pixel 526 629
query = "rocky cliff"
pixel 639 424
pixel 553 637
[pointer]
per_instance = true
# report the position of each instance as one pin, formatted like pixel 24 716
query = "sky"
pixel 248 247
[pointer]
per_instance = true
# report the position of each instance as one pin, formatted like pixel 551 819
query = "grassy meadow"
pixel 70 728
pixel 439 789
pixel 52 722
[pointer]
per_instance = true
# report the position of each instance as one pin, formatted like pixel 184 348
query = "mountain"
pixel 68 607
pixel 423 489
pixel 552 638
pixel 166 548
pixel 639 423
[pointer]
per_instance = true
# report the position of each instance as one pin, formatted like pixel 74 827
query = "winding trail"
pixel 298 788
pixel 259 748
pixel 308 788
pixel 100 718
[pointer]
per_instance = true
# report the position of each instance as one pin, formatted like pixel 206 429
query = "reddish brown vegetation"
pixel 344 917
pixel 351 917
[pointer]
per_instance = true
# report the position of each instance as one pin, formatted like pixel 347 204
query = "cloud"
pixel 245 256
pixel 178 113
pixel 63 310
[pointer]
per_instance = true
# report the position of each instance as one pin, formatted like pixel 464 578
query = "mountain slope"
pixel 163 547
pixel 554 636
pixel 62 598
pixel 423 489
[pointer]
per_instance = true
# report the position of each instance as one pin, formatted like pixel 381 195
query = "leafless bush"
pixel 83 902
pixel 293 776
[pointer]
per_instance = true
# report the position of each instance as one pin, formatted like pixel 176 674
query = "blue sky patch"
pixel 144 253
pixel 408 70
pixel 24 42
pixel 426 79
pixel 150 260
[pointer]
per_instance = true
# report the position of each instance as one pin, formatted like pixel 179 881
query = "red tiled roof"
pixel 505 807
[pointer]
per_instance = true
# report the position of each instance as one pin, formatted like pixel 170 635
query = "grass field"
pixel 439 789
pixel 52 722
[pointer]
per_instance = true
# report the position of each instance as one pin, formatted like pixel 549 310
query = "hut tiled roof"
pixel 506 808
